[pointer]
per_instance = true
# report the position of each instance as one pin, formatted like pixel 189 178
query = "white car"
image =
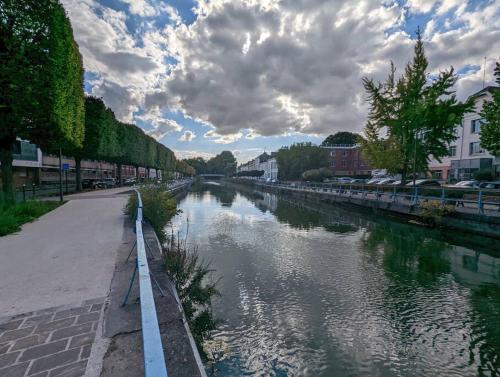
pixel 374 181
pixel 385 181
pixel 465 184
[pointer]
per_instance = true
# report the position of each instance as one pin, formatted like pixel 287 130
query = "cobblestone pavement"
pixel 50 342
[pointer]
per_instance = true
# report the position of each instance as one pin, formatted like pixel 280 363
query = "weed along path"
pixel 55 275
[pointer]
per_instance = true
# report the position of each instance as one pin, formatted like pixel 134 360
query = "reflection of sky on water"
pixel 326 292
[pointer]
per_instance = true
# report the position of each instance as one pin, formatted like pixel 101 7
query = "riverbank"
pixel 463 219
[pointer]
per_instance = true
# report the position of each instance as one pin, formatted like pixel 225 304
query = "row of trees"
pixel 223 163
pixel 42 99
pixel 41 80
pixel 297 158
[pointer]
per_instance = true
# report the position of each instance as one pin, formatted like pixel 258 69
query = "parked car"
pixel 464 184
pixel 424 182
pixel 396 183
pixel 489 185
pixel 87 183
pixel 129 181
pixel 386 181
pixel 104 183
pixel 374 181
pixel 357 180
pixel 344 180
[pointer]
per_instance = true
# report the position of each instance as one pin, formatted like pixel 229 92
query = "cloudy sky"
pixel 203 76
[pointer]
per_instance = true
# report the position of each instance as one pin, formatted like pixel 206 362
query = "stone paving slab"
pixel 50 342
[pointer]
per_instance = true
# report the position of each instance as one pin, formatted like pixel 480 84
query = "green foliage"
pixel 317 175
pixel 158 208
pixel 432 212
pixel 297 158
pixel 342 137
pixel 418 117
pixel 198 164
pixel 41 79
pixel 484 175
pixel 490 131
pixel 12 216
pixel 190 276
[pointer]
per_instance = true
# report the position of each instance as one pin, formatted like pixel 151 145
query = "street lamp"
pixel 418 135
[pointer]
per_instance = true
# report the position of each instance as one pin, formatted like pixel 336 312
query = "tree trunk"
pixel 137 173
pixel 78 172
pixel 7 181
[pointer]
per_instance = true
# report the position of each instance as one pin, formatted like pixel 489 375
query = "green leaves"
pixel 490 131
pixel 298 158
pixel 416 116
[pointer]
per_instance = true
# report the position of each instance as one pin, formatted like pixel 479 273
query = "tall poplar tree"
pixel 413 118
pixel 41 80
pixel 490 131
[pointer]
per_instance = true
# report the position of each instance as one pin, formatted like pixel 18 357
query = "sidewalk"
pixel 54 277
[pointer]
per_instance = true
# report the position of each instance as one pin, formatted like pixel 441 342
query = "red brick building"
pixel 347 160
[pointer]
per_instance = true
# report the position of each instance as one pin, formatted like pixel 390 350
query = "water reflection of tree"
pixel 485 301
pixel 408 252
pixel 224 195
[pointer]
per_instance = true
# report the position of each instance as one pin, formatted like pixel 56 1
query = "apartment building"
pixel 466 155
pixel 264 162
pixel 346 159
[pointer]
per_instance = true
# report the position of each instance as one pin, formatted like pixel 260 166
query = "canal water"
pixel 315 290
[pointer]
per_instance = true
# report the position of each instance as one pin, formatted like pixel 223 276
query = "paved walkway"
pixel 54 277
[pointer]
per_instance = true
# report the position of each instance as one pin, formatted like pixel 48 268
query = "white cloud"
pixel 192 154
pixel 187 136
pixel 270 67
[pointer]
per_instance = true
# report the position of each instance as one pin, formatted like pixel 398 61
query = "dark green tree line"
pixel 297 158
pixel 41 80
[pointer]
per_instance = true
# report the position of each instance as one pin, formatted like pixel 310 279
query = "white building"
pixel 264 162
pixel 466 155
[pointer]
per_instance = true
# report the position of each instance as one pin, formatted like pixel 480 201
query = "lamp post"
pixel 418 135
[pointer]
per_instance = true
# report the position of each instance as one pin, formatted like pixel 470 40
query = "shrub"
pixel 189 275
pixel 432 212
pixel 484 175
pixel 158 208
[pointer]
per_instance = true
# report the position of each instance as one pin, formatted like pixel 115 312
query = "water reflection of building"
pixel 472 267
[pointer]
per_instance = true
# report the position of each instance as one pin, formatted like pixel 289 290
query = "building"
pixel 264 162
pixel 346 159
pixel 466 155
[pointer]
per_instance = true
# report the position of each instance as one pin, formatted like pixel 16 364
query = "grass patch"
pixel 13 216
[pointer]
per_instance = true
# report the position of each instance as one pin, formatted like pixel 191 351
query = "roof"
pixel 489 89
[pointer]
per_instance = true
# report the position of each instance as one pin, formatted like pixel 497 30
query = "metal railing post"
pixel 34 190
pixel 480 204
pixel 443 196
pixel 24 192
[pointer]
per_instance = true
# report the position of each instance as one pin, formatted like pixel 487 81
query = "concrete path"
pixel 66 256
pixel 54 278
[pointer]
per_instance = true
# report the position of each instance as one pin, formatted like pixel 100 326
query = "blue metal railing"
pixel 154 360
pixel 479 200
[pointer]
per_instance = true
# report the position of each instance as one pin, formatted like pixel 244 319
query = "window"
pixel 333 164
pixel 344 163
pixel 475 148
pixel 332 153
pixel 438 174
pixel 453 151
pixel 475 126
pixel 345 153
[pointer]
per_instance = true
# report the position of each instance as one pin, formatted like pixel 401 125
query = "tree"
pixel 343 137
pixel 41 80
pixel 417 116
pixel 223 163
pixel 198 163
pixel 297 158
pixel 490 131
